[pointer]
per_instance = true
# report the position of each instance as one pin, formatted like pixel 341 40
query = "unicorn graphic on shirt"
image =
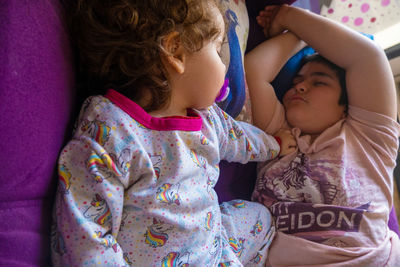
pixel 210 186
pixel 204 140
pixel 122 161
pixel 249 148
pixel 98 210
pixel 215 246
pixel 239 204
pixel 237 245
pixel 257 228
pixel 296 185
pixel 272 153
pixel 156 161
pixel 156 234
pixel 209 221
pixel 97 130
pixel 212 177
pixel 168 193
pixel 109 241
pixel 232 134
pixel 176 259
pixel 102 167
pixel 257 259
pixel 210 119
pixel 226 116
pixel 197 159
pixel 64 178
pixel 235 133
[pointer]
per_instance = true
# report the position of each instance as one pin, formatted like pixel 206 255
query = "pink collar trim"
pixel 192 122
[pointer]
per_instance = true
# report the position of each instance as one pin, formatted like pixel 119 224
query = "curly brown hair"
pixel 119 42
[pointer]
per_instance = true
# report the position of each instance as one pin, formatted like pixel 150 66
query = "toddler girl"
pixel 137 180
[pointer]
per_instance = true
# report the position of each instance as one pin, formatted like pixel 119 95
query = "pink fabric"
pixel 344 180
pixel 308 253
pixel 192 122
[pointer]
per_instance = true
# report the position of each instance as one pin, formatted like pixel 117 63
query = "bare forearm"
pixel 262 65
pixel 327 37
pixel 266 60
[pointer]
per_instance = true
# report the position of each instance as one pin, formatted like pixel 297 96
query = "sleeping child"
pixel 330 198
pixel 137 179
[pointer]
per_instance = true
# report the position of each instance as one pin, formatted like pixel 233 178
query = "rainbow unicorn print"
pixel 235 133
pixel 238 131
pixel 95 163
pixel 210 120
pixel 156 234
pixel 215 246
pixel 257 228
pixel 102 166
pixel 176 259
pixel 257 259
pixel 109 242
pixel 156 160
pixel 168 193
pixel 239 204
pixel 272 153
pixel 203 140
pixel 99 210
pixel 237 245
pixel 232 134
pixel 209 221
pixel 123 161
pixel 210 186
pixel 97 130
pixel 198 160
pixel 226 116
pixel 248 145
pixel 64 177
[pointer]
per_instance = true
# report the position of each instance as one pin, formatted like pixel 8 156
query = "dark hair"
pixel 340 73
pixel 119 42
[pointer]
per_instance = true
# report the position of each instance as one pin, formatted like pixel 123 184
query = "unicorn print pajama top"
pixel 135 190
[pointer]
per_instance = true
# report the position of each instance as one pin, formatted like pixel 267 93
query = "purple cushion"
pixel 236 181
pixel 36 81
pixel 393 222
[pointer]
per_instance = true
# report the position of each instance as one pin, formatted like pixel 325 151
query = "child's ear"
pixel 174 52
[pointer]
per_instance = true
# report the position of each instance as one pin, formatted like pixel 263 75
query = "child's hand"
pixel 269 20
pixel 287 142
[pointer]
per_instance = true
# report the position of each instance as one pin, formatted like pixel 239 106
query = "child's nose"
pixel 300 87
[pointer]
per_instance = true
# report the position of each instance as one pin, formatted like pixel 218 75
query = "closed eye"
pixel 319 83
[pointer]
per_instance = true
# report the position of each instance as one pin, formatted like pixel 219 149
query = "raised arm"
pixel 262 65
pixel 369 80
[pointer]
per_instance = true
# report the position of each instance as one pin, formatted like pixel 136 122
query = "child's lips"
pixel 297 97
